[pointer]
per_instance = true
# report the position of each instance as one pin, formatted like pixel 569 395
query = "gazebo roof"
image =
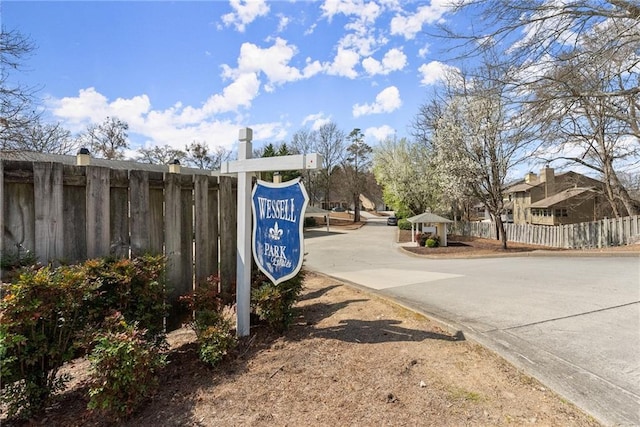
pixel 313 211
pixel 428 217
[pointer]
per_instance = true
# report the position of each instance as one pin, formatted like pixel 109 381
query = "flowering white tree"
pixel 478 136
pixel 408 176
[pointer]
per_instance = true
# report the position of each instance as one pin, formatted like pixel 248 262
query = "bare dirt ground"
pixel 350 358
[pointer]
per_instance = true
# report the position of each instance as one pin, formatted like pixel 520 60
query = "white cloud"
pixel 422 52
pixel 175 126
pixel 361 28
pixel 316 120
pixel 283 22
pixel 245 12
pixel 410 25
pixel 435 72
pixel 272 61
pixel 379 133
pixel 386 101
pixel 365 11
pixel 344 64
pixel 393 60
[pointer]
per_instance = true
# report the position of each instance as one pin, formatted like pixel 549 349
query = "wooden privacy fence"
pixel 597 234
pixel 62 212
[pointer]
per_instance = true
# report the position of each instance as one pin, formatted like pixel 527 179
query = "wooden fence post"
pixel 228 230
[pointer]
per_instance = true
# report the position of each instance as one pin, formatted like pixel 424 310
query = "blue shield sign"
pixel 278 221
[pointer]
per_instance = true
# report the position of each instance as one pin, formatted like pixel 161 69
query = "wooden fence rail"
pixel 597 234
pixel 62 212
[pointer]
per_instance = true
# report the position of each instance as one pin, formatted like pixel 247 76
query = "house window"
pixel 561 212
pixel 540 212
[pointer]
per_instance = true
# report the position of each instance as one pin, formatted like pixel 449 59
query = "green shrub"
pixel 133 287
pixel 421 238
pixel 274 303
pixel 215 341
pixel 212 326
pixel 433 242
pixel 404 224
pixel 124 368
pixel 41 314
pixel 48 314
pixel 310 221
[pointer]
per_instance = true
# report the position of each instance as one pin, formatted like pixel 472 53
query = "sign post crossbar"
pixel 245 167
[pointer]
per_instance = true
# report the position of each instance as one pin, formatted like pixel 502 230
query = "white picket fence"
pixel 597 234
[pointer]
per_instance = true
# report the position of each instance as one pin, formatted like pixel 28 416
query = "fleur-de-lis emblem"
pixel 275 233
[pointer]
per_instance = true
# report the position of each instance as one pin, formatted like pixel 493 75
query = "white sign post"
pixel 245 167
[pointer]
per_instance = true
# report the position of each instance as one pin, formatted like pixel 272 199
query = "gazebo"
pixel 429 223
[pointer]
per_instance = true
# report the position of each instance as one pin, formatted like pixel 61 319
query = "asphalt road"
pixel 571 322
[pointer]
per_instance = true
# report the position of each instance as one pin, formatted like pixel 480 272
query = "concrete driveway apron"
pixel 571 322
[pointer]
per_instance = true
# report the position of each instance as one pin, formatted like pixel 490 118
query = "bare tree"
pixel 584 128
pixel 46 138
pixel 160 155
pixel 199 155
pixel 577 63
pixel 17 111
pixel 107 140
pixel 304 142
pixel 330 145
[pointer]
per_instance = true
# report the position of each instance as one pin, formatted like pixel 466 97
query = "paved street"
pixel 572 322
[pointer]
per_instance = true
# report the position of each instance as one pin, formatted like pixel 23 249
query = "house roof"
pixel 428 217
pixel 560 197
pixel 522 186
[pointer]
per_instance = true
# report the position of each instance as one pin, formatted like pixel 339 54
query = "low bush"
pixel 433 242
pixel 404 224
pixel 134 287
pixel 274 303
pixel 310 221
pixel 41 313
pixel 49 314
pixel 124 369
pixel 212 325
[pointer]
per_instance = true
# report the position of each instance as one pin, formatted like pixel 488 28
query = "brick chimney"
pixel 549 178
pixel 531 178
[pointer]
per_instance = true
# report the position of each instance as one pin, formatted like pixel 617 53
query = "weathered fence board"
pixel 139 212
pixel 66 213
pixel 228 232
pixel 205 200
pixel 48 190
pixel 74 214
pixel 596 234
pixel 98 210
pixel 119 213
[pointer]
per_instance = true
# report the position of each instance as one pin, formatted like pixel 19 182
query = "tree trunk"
pixel 501 231
pixel 356 208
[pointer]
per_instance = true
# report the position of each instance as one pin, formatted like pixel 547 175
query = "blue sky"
pixel 184 71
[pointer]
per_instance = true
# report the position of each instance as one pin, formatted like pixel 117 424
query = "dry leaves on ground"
pixel 351 358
